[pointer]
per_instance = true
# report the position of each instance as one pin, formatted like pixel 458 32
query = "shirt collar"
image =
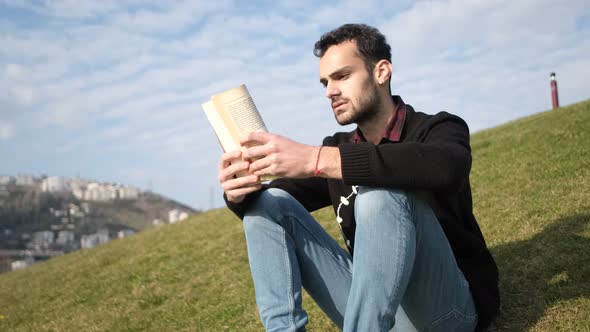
pixel 393 131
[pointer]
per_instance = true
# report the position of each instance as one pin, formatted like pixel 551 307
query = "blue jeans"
pixel 404 272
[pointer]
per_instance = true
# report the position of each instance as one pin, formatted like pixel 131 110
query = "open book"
pixel 233 116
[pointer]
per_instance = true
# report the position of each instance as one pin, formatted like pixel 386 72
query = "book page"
pixel 233 116
pixel 237 107
pixel 221 131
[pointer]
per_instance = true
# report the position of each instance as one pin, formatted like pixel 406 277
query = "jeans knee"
pixel 268 200
pixel 371 200
pixel 271 204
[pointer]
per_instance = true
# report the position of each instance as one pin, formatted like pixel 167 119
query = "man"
pixel 399 185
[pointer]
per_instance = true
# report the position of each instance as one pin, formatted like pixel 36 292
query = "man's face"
pixel 351 89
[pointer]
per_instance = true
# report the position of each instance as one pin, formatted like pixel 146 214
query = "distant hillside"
pixel 27 209
pixel 138 214
pixel 531 187
pixel 36 224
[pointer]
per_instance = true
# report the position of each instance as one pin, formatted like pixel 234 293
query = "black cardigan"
pixel 433 157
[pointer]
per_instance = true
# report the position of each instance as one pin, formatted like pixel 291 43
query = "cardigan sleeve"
pixel 437 159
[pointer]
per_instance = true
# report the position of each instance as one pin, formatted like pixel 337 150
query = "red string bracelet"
pixel 317 171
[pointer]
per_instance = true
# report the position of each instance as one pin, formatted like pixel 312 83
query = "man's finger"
pixel 231 170
pixel 238 183
pixel 243 191
pixel 256 152
pixel 256 137
pixel 260 164
pixel 227 157
pixel 265 171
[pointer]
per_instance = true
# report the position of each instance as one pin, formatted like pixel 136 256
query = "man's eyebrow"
pixel 337 72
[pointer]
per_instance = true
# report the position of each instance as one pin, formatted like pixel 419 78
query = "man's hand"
pixel 272 154
pixel 236 188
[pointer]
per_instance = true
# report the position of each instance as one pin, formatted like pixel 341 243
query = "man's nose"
pixel 332 90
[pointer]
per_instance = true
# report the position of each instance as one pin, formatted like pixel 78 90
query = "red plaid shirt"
pixel 393 131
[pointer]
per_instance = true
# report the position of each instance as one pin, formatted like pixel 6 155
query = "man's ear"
pixel 382 72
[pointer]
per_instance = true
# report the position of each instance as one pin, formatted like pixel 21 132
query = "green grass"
pixel 531 191
pixel 531 188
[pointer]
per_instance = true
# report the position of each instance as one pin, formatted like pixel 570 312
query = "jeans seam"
pixel 294 216
pixel 397 289
pixel 449 313
pixel 290 295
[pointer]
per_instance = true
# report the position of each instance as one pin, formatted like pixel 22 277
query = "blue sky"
pixel 112 90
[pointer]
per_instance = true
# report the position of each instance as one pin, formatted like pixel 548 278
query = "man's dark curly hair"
pixel 371 44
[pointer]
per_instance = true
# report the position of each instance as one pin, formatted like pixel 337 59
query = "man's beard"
pixel 367 106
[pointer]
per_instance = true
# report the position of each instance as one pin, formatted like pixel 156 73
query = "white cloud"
pixel 7 131
pixel 488 61
pixel 159 19
pixel 71 9
pixel 16 86
pixel 124 80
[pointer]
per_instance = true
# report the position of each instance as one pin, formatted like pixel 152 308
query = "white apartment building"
pixel 175 216
pixel 74 209
pixel 103 192
pixel 78 192
pixel 24 180
pixel 100 192
pixel 78 183
pixel 22 263
pixel 128 192
pixel 125 233
pixel 54 184
pixel 93 240
pixel 65 237
pixel 43 237
pixel 85 207
pixel 4 193
pixel 41 240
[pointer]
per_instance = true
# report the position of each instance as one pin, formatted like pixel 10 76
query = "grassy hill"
pixel 531 186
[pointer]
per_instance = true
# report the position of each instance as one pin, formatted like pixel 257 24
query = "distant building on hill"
pixel 127 193
pixel 54 184
pixel 6 179
pixel 125 233
pixel 24 180
pixel 98 192
pixel 85 207
pixel 4 194
pixel 103 192
pixel 42 240
pixel 182 215
pixel 75 211
pixel 65 237
pixel 175 216
pixel 22 263
pixel 96 239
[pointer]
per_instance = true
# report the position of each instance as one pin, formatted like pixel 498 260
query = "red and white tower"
pixel 554 97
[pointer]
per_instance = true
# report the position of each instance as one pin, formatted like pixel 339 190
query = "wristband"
pixel 317 171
